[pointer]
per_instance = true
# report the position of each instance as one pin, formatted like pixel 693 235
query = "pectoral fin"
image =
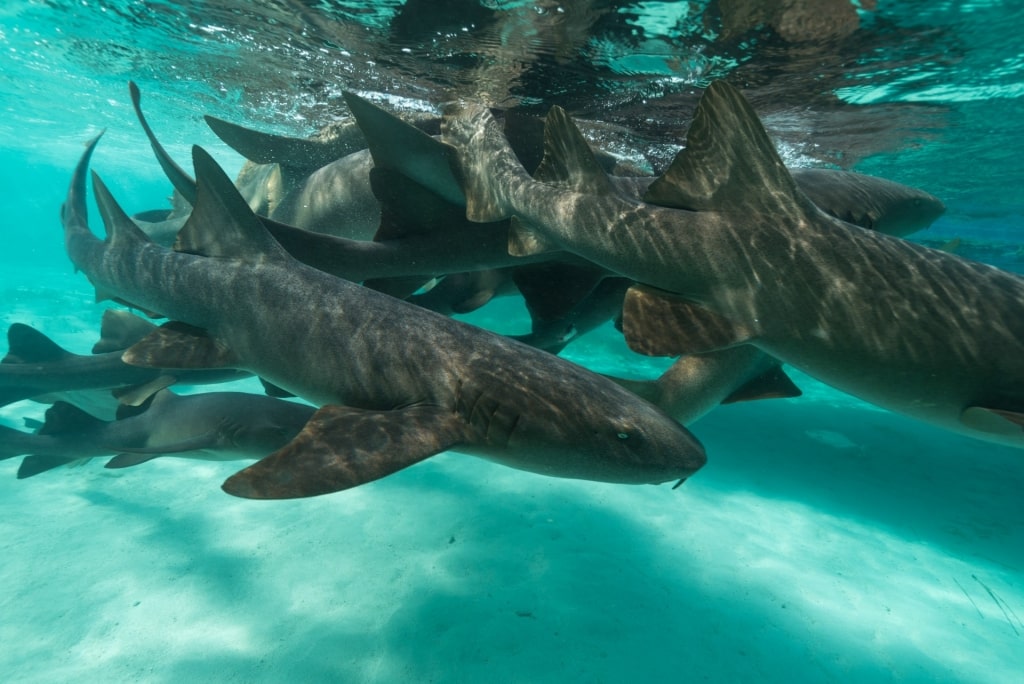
pixel 659 323
pixel 772 384
pixel 179 345
pixel 128 460
pixel 138 394
pixel 993 421
pixel 33 465
pixel 342 447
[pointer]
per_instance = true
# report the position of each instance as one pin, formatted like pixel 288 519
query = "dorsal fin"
pixel 408 208
pixel 157 400
pixel 181 181
pixel 120 228
pixel 568 159
pixel 222 224
pixel 136 396
pixel 28 345
pixel 65 418
pixel 395 144
pixel 729 163
pixel 120 329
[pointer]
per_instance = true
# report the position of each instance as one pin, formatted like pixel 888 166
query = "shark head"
pixel 608 434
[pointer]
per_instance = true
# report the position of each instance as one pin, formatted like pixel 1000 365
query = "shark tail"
pixel 300 155
pixel 400 146
pixel 15 443
pixel 179 178
pixel 484 161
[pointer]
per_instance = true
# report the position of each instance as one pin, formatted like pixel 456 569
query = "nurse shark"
pixel 210 426
pixel 396 383
pixel 36 367
pixel 731 252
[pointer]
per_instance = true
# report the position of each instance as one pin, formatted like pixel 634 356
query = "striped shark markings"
pixel 730 251
pixel 395 383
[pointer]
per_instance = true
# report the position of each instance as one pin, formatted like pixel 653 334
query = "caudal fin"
pixel 484 162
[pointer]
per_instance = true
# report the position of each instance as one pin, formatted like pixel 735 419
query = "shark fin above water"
pixel 659 323
pixel 727 154
pixel 179 345
pixel 342 447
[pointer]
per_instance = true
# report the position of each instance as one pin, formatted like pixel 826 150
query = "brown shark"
pixel 396 383
pixel 739 255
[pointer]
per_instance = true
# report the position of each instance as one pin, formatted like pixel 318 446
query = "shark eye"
pixel 623 435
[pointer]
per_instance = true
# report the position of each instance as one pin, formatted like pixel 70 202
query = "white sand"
pixel 825 541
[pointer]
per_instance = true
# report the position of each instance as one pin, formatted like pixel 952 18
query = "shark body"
pixel 209 426
pixel 731 252
pixel 395 383
pixel 37 367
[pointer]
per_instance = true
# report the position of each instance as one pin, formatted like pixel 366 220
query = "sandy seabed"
pixel 825 540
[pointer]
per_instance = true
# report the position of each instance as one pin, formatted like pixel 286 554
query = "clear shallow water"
pixel 825 540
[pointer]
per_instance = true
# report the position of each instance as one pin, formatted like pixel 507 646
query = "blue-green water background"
pixel 825 541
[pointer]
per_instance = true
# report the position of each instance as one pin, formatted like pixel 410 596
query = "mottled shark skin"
pixel 438 243
pixel 396 383
pixel 212 426
pixel 402 150
pixel 36 367
pixel 751 260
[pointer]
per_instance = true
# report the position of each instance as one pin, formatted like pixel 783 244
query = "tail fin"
pixel 484 161
pixel 301 156
pixel 405 148
pixel 179 178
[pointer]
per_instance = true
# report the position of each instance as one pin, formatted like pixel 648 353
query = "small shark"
pixel 37 367
pixel 210 426
pixel 396 383
pixel 731 251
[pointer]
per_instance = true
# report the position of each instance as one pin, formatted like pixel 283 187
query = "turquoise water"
pixel 826 539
